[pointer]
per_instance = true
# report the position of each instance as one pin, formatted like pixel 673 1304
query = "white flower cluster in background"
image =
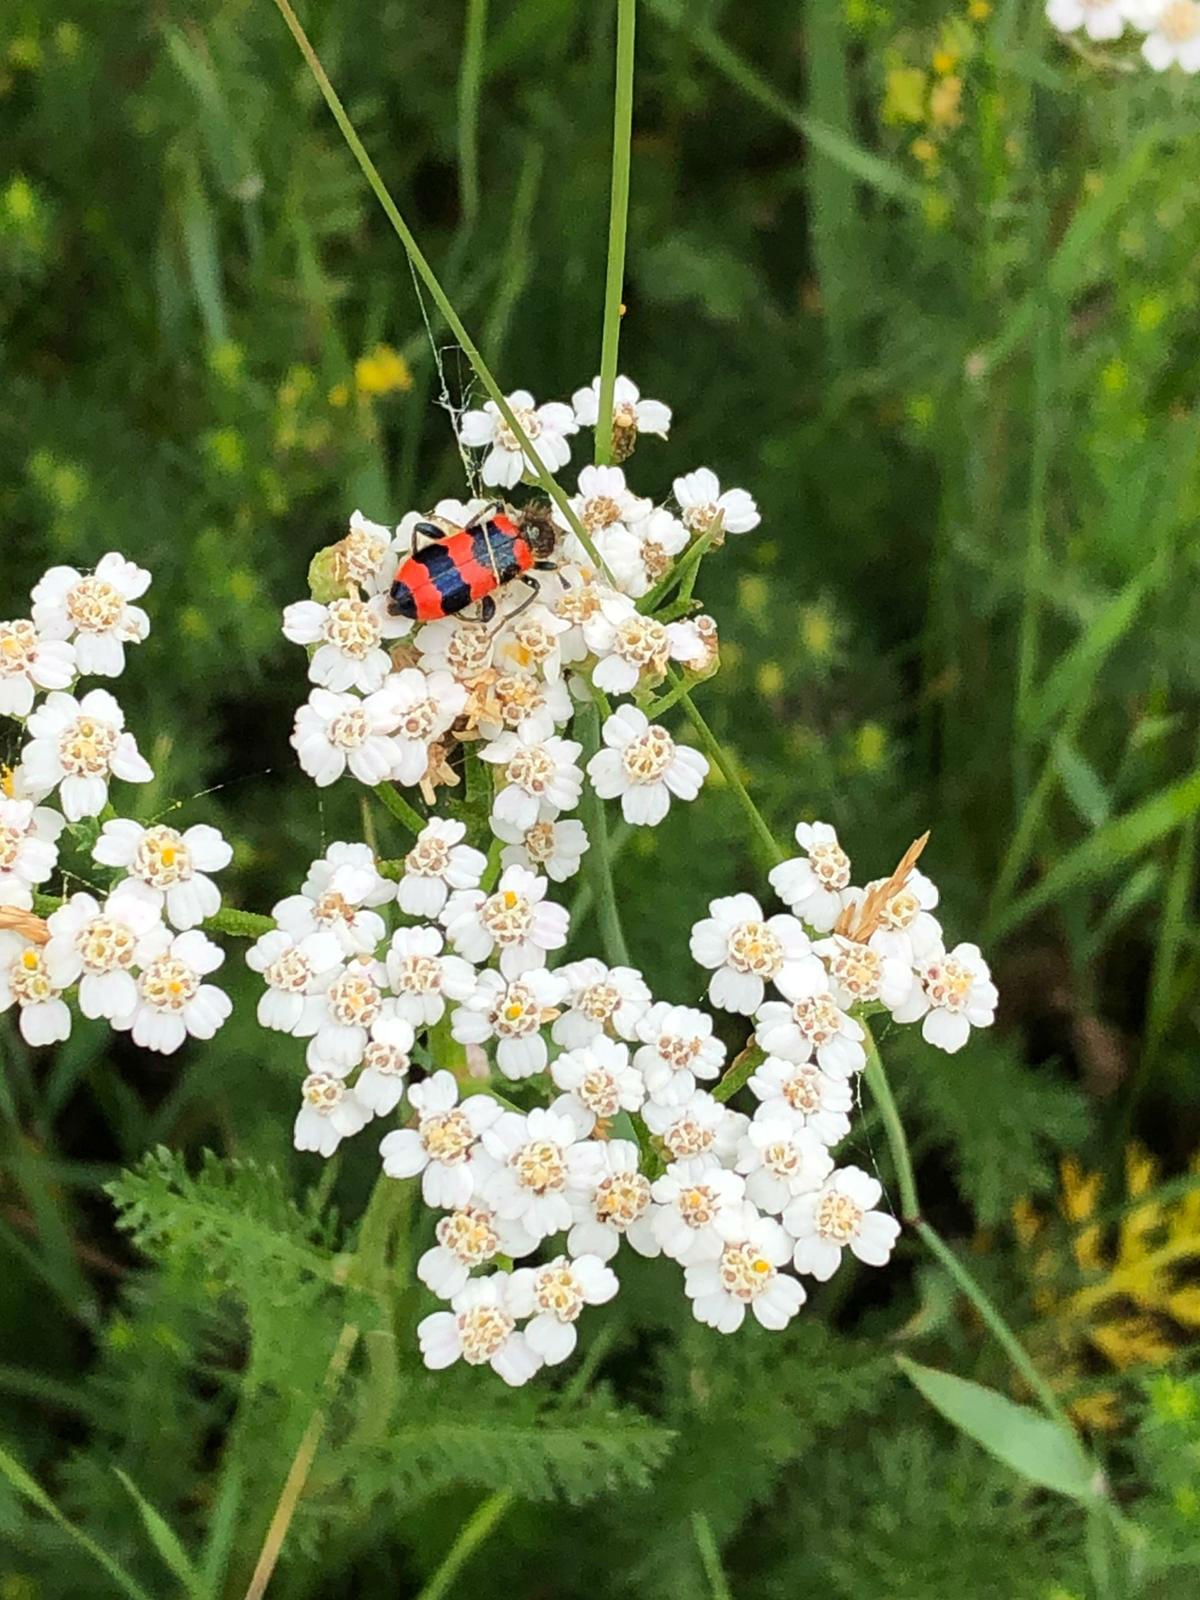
pixel 132 953
pixel 1170 29
pixel 584 1115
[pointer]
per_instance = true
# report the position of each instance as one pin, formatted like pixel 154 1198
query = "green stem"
pixel 684 569
pixel 473 1532
pixel 229 920
pixel 716 751
pixel 996 1324
pixel 429 278
pixel 877 1081
pixel 743 1068
pixel 470 84
pixel 1035 539
pixel 618 220
pixel 395 802
pixel 710 1557
pixel 597 862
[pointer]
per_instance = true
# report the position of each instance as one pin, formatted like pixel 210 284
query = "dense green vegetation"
pixel 925 281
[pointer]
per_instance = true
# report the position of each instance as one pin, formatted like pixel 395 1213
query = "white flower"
pixel 547 428
pixel 697 1126
pixel 336 896
pixel 1174 37
pixel 519 700
pixel 348 634
pixel 603 501
pixel 513 1012
pixel 875 970
pixel 812 1098
pixel 597 1082
pixel 531 643
pixel 592 609
pixel 780 1159
pixel 1103 19
pixel 28 849
pixel 812 1024
pixel 539 777
pixel 29 662
pixel 100 947
pixel 294 971
pixel 700 499
pixel 612 1205
pixel 462 649
pixel 812 885
pixel 645 767
pixel 529 1163
pixel 469 1236
pixel 659 537
pixel 906 911
pixel 746 1274
pixel 631 414
pixel 640 650
pixel 698 1208
pixel 329 1112
pixel 443 1144
pixel 336 731
pixel 953 993
pixel 678 1047
pixel 838 1214
pixel 416 709
pixel 80 744
pixel 556 847
pixel 747 953
pixel 25 982
pixel 96 610
pixel 423 978
pixel 437 863
pixel 366 556
pixel 173 865
pixel 344 1012
pixel 386 1061
pixel 173 1000
pixel 552 1297
pixel 517 919
pixel 694 643
pixel 480 1328
pixel 600 998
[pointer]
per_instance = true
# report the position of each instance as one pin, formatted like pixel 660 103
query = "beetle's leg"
pixel 546 566
pixel 487 609
pixel 535 590
pixel 485 514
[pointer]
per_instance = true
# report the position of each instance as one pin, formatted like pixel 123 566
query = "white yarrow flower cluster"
pixel 130 953
pixel 1170 29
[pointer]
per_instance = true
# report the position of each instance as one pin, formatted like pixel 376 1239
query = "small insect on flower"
pixel 456 568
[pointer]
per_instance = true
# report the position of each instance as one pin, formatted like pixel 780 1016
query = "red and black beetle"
pixel 456 568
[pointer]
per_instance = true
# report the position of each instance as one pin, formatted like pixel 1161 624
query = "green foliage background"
pixel 950 344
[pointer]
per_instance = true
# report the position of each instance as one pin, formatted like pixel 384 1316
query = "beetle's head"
pixel 537 524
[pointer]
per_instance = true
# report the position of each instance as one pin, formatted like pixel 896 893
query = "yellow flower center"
pixel 447 1137
pixel 754 949
pixel 483 1331
pixel 162 858
pixel 86 747
pixel 838 1217
pixel 647 757
pixel 469 1236
pixel 94 606
pixel 745 1271
pixel 541 1166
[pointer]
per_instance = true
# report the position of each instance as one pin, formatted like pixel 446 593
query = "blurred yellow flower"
pixel 945 108
pixel 871 746
pixel 904 95
pixel 382 371
pixel 979 10
pixel 770 678
pixel 339 395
